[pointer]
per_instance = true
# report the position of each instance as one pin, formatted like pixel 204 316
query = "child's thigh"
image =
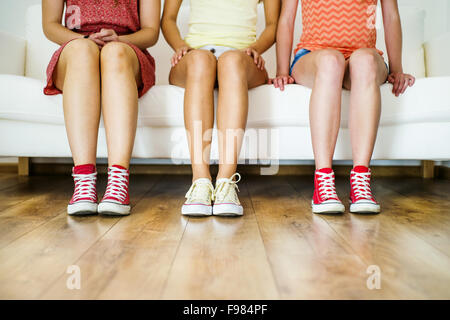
pixel 79 50
pixel 305 69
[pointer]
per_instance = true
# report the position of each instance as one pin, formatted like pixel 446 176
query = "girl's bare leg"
pixel 236 73
pixel 120 72
pixel 323 71
pixel 196 72
pixel 77 74
pixel 366 72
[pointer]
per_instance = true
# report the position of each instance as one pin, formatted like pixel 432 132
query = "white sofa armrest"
pixel 437 53
pixel 12 53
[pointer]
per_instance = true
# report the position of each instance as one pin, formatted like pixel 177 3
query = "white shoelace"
pixel 85 186
pixel 327 189
pixel 226 189
pixel 117 184
pixel 361 185
pixel 200 190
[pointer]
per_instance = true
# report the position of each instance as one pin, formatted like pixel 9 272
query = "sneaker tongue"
pixel 361 169
pixel 119 167
pixel 84 169
pixel 219 181
pixel 325 170
pixel 202 180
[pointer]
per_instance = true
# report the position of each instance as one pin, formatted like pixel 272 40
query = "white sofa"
pixel 413 126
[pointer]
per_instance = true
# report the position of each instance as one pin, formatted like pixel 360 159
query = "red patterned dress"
pixel 90 16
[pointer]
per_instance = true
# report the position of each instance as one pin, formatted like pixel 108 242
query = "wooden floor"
pixel 278 250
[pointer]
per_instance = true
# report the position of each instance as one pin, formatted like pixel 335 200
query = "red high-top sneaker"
pixel 84 199
pixel 361 199
pixel 325 199
pixel 116 200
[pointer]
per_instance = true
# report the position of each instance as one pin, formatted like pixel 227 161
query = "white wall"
pixel 437 20
pixel 12 15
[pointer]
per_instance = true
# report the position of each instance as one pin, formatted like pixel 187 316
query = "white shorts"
pixel 217 50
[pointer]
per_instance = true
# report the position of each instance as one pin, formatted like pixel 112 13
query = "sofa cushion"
pixel 162 106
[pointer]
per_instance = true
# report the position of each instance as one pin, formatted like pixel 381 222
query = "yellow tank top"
pixel 228 23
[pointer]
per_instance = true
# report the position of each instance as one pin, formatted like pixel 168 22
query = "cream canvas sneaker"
pixel 199 198
pixel 226 201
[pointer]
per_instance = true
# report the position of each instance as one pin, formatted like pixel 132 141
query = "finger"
pixel 270 81
pixel 412 80
pixel 391 79
pixel 108 39
pixel 395 87
pixel 399 85
pixel 95 35
pixel 275 83
pixel 405 85
pixel 104 32
pixel 282 83
pixel 99 42
pixel 291 80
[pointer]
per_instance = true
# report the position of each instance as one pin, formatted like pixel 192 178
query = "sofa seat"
pixel 162 106
pixel 278 125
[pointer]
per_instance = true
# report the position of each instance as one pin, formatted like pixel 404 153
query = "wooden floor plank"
pixel 133 259
pixel 8 180
pixel 222 258
pixel 309 260
pixel 35 209
pixel 425 214
pixel 279 249
pixel 28 187
pixel 409 265
pixel 34 261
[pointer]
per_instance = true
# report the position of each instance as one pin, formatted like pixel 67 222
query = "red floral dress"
pixel 90 16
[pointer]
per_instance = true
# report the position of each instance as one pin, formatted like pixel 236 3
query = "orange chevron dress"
pixel 344 25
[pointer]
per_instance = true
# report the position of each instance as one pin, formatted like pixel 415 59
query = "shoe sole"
pixel 82 209
pixel 365 208
pixel 196 210
pixel 113 209
pixel 328 208
pixel 227 210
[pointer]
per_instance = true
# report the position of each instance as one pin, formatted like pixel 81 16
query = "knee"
pixel 82 50
pixel 232 61
pixel 364 65
pixel 231 66
pixel 200 63
pixel 330 63
pixel 116 56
